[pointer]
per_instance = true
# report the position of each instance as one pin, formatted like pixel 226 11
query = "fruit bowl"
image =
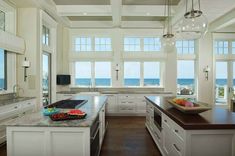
pixel 50 111
pixel 189 107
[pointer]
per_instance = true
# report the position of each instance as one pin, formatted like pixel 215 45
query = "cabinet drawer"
pixel 167 121
pixel 178 131
pixel 177 146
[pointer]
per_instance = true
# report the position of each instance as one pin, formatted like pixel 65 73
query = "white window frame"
pixel 92 74
pixel 73 49
pixel 141 44
pixel 142 74
pixel 190 57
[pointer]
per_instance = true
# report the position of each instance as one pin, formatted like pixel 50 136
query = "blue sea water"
pixel 1 83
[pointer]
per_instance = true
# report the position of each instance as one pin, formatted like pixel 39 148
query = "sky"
pixel 185 69
pixel 221 70
pixel 1 63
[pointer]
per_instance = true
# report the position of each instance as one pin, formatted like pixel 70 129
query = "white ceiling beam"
pixel 224 21
pixel 116 6
pixel 91 24
pixel 142 24
pixel 84 10
pixel 144 10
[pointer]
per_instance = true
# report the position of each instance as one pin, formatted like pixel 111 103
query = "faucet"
pixel 16 89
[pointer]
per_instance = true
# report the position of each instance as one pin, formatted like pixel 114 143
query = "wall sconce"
pixel 25 65
pixel 206 71
pixel 117 70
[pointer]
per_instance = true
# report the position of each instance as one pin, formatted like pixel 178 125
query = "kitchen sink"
pixel 67 104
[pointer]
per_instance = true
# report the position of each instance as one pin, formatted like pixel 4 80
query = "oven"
pixel 95 138
pixel 158 118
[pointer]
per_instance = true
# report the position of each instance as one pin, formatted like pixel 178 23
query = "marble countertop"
pixel 37 119
pixel 14 100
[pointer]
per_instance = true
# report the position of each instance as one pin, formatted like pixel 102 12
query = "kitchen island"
pixel 211 133
pixel 37 135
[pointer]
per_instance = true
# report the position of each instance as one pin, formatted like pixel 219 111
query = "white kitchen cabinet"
pixel 111 106
pixel 12 111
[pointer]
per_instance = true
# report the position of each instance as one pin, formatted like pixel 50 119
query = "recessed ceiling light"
pixel 84 13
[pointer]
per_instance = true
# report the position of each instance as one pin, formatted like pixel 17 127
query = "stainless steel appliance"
pixel 158 118
pixel 95 138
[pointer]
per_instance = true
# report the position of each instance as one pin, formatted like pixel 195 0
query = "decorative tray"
pixel 194 108
pixel 66 116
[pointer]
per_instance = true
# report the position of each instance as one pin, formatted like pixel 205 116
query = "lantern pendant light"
pixel 168 38
pixel 194 24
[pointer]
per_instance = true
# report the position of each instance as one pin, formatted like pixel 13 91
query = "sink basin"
pixel 89 93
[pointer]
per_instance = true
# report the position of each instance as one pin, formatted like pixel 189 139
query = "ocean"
pixel 136 82
pixel 1 83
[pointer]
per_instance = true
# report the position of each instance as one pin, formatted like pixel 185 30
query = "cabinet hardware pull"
pixel 165 120
pixel 176 148
pixel 176 131
pixel 157 135
pixel 15 107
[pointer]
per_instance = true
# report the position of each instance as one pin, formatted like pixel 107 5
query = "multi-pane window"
pixel 2 20
pixel 83 74
pixel 103 44
pixel 233 47
pixel 152 44
pixel 185 77
pixel 45 35
pixel 3 68
pixel 141 73
pixel 131 73
pixel 221 47
pixel 83 44
pixel 185 46
pixel 151 73
pixel 102 73
pixel 131 44
pixel 93 74
pixel 147 44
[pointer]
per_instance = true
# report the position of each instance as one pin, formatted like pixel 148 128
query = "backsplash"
pixel 6 96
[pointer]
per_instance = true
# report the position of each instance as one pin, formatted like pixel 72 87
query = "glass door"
pixel 221 85
pixel 46 78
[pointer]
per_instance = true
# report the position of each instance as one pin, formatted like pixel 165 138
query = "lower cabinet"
pixel 12 111
pixel 173 140
pixel 102 124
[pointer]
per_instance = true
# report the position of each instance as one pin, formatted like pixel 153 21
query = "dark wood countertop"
pixel 217 118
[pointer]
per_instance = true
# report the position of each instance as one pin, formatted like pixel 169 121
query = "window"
pixel 102 73
pixel 83 44
pixel 152 44
pixel 151 73
pixel 147 44
pixel 2 20
pixel 221 47
pixel 103 44
pixel 45 35
pixel 84 74
pixel 185 47
pixel 233 47
pixel 131 73
pixel 185 77
pixel 3 80
pixel 131 44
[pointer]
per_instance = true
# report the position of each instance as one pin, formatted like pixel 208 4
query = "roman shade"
pixel 11 42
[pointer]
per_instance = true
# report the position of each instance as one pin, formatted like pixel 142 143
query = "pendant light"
pixel 194 24
pixel 168 38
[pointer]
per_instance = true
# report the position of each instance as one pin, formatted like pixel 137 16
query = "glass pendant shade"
pixel 194 24
pixel 168 43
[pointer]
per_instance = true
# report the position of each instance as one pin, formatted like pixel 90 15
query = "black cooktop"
pixel 67 104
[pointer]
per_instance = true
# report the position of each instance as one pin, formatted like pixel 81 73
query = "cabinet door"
pixel 102 124
pixel 166 139
pixel 111 106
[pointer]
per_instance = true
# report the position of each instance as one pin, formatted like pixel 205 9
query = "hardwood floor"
pixel 125 136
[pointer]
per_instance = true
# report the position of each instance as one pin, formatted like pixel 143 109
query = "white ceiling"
pixel 131 13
